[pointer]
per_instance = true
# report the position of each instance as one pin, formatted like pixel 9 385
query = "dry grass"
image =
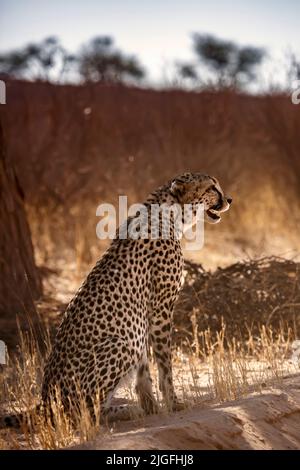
pixel 223 370
pixel 213 372
pixel 20 386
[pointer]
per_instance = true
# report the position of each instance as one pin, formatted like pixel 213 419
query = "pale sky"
pixel 157 32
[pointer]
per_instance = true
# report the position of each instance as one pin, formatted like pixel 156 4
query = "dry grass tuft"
pixel 221 370
pixel 20 385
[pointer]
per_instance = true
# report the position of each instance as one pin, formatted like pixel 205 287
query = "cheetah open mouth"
pixel 213 216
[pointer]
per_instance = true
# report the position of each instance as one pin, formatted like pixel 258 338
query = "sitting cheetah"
pixel 123 306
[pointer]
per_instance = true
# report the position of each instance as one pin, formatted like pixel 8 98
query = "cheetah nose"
pixel 229 200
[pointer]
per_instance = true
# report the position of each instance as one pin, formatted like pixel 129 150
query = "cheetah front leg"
pixel 144 389
pixel 161 331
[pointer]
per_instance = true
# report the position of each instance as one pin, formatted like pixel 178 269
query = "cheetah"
pixel 124 306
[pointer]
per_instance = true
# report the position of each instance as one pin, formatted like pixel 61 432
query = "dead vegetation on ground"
pixel 245 296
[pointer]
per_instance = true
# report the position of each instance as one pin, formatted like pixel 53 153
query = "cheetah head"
pixel 196 188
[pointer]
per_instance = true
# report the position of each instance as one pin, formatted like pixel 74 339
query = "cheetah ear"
pixel 177 188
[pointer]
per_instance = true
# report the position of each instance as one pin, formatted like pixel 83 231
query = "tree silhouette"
pixel 37 61
pixel 99 61
pixel 187 71
pixel 231 65
pixel 293 68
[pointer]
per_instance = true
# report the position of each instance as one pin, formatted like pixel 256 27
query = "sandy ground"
pixel 262 421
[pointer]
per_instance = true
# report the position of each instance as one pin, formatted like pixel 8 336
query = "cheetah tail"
pixel 19 419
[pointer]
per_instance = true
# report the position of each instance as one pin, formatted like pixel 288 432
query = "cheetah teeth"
pixel 213 214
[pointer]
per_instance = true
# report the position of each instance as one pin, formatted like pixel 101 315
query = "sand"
pixel 262 421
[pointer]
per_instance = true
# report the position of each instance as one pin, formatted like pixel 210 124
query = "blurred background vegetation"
pixel 85 128
pixel 218 63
